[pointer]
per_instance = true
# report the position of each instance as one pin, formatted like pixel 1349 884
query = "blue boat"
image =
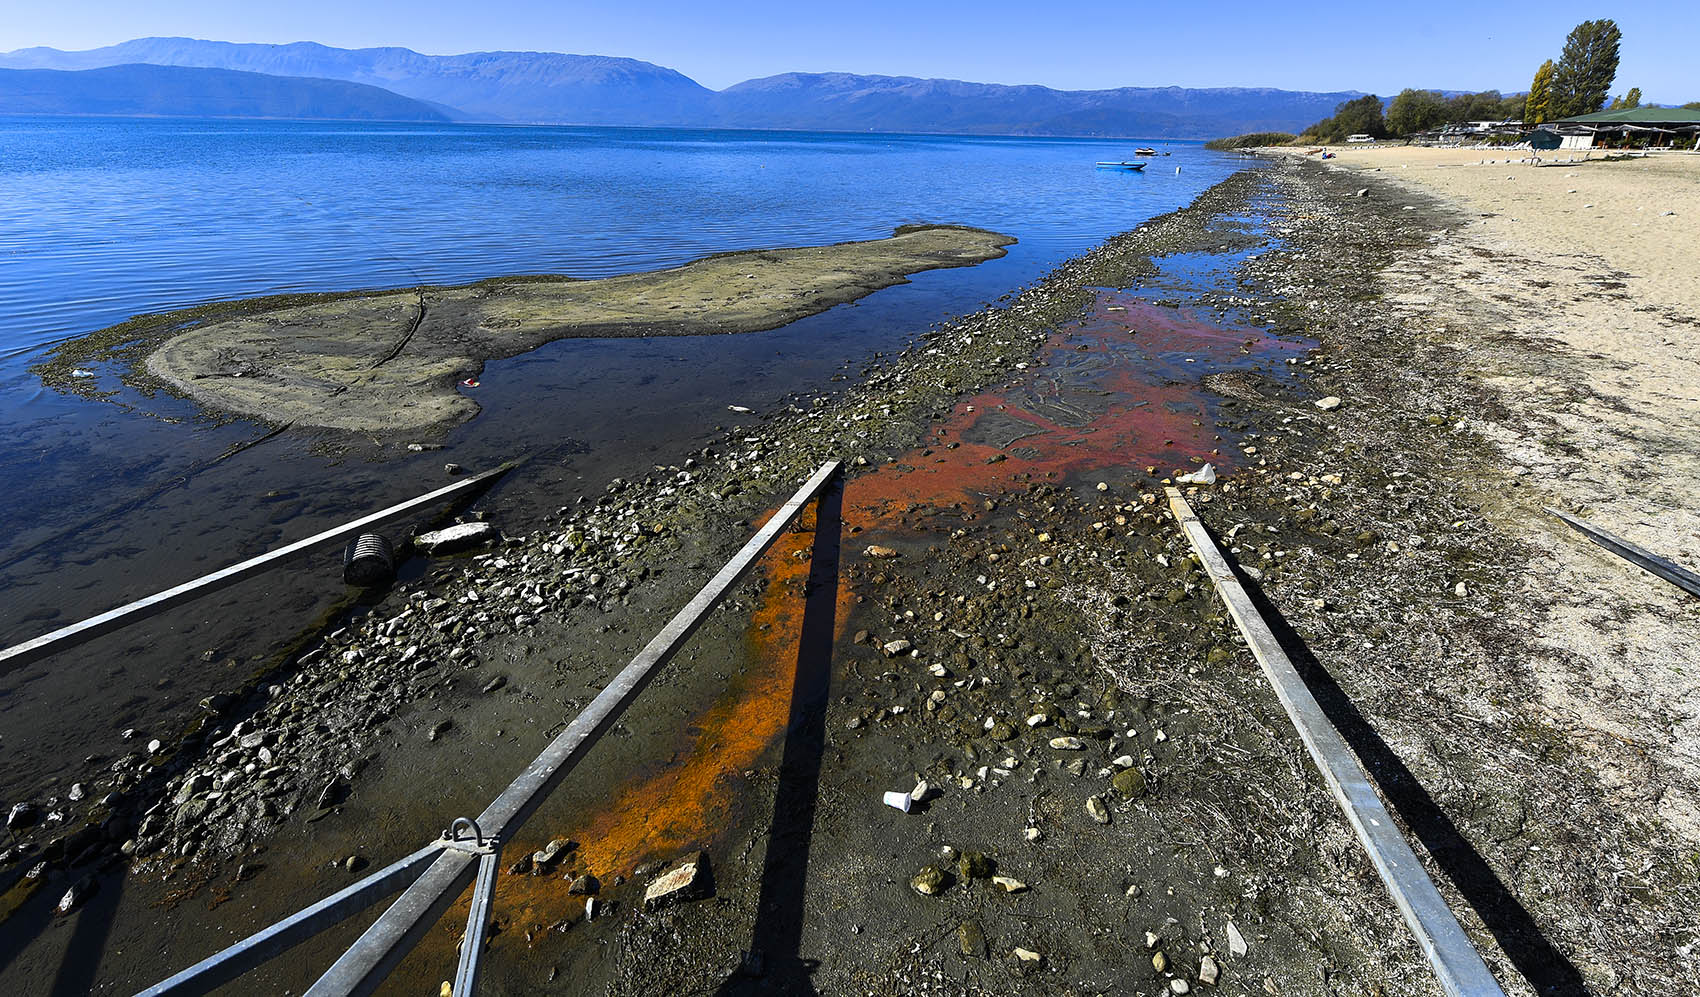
pixel 1131 167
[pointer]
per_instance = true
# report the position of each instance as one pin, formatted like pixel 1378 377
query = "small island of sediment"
pixel 389 360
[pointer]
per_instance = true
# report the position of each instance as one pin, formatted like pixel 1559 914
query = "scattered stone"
pixel 689 881
pixel 452 469
pixel 1068 743
pixel 1009 884
pixel 1028 956
pixel 1179 986
pixel 78 791
pixel 441 727
pixel 1236 941
pixel 971 940
pixel 1159 961
pixel 975 865
pixel 875 550
pixel 1130 783
pixel 897 647
pixel 22 815
pixel 1096 810
pixel 929 882
pixel 1032 834
pixel 354 863
pixel 448 540
pixel 544 858
pixel 585 886
pixel 77 895
pixel 1328 404
pixel 1208 971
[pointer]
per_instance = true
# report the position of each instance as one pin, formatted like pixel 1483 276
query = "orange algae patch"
pixel 682 807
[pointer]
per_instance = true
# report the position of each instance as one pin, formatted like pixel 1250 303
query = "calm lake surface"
pixel 102 219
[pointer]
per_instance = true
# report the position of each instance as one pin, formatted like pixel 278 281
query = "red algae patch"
pixel 1121 390
pixel 1117 393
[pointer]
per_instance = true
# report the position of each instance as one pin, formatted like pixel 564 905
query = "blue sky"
pixel 1328 45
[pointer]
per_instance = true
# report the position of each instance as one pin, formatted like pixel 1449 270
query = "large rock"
pixel 689 881
pixel 461 536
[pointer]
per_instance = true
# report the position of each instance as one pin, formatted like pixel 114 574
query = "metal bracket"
pixel 477 844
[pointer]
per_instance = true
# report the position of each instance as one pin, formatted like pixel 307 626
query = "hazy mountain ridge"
pixel 578 89
pixel 175 91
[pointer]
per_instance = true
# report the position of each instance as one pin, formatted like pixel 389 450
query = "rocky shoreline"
pixel 1112 800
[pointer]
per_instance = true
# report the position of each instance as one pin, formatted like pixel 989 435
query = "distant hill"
pixel 179 92
pixel 902 103
pixel 491 86
pixel 583 89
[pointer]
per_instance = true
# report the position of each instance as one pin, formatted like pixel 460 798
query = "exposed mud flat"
pixel 389 361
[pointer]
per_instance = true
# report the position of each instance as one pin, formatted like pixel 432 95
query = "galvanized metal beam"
pixel 377 952
pixel 477 925
pixel 1457 965
pixel 1639 556
pixel 364 966
pixel 113 619
pixel 216 970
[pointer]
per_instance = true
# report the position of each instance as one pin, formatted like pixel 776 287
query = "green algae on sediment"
pixel 379 361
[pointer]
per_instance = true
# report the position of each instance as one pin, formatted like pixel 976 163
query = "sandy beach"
pixel 1574 291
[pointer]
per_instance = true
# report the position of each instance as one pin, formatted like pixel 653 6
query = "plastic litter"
pixel 899 801
pixel 1205 475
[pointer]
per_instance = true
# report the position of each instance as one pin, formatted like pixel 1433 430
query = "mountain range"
pixel 550 87
pixel 154 91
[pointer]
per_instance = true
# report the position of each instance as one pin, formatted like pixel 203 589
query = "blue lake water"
pixel 102 219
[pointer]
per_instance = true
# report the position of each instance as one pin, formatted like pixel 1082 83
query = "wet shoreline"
pixel 1014 622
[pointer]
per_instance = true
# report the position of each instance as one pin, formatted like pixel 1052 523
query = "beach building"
pixel 1678 127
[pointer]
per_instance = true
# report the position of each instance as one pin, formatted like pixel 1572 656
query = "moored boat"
pixel 1135 167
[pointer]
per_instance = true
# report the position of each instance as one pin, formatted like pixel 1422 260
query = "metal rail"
pixel 78 633
pixel 1639 556
pixel 222 967
pixel 1457 965
pixel 455 860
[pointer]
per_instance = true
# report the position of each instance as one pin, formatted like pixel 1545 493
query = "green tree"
pixel 1632 99
pixel 1538 106
pixel 1692 106
pixel 1361 117
pixel 1416 111
pixel 1586 68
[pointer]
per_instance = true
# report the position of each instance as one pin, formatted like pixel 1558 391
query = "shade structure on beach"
pixel 1675 122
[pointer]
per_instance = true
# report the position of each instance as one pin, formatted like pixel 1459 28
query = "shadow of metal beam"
pixel 1548 970
pixel 774 963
